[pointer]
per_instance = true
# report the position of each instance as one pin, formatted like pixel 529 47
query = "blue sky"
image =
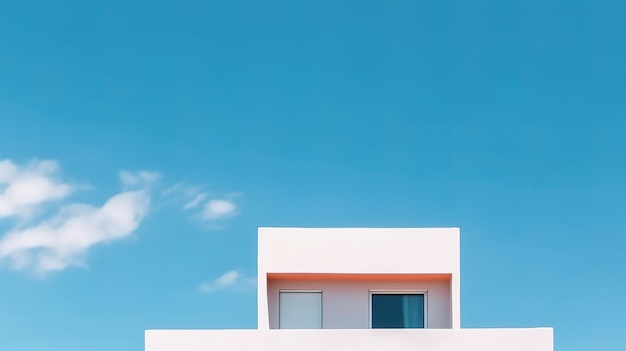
pixel 145 141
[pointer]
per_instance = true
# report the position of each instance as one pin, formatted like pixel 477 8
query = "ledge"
pixel 531 339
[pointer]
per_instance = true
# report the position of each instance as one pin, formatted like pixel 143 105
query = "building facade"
pixel 357 289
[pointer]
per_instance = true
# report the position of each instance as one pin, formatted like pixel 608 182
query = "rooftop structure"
pixel 357 289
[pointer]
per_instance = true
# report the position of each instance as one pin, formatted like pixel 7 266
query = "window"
pixel 398 310
pixel 300 310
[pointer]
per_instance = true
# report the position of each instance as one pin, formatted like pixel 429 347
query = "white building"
pixel 356 289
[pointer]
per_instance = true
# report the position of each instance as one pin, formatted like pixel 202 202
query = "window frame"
pixel 304 291
pixel 399 292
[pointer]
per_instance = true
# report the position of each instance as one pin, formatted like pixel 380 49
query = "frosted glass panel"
pixel 300 310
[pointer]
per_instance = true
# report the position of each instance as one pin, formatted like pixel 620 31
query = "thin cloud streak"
pixel 203 207
pixel 229 280
pixel 196 201
pixel 219 209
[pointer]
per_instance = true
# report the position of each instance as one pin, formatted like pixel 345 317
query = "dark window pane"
pixel 397 311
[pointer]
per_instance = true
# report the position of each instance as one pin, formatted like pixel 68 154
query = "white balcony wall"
pixel 537 339
pixel 359 250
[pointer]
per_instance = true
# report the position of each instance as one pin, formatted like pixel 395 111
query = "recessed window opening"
pixel 398 310
pixel 300 309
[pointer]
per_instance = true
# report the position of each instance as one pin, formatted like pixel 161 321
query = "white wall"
pixel 345 304
pixel 358 251
pixel 539 339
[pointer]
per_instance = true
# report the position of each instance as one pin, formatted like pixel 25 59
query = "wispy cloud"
pixel 24 188
pixel 219 209
pixel 140 178
pixel 64 238
pixel 203 206
pixel 196 201
pixel 229 280
pixel 182 190
pixel 47 232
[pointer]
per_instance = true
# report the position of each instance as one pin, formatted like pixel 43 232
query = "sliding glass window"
pixel 391 310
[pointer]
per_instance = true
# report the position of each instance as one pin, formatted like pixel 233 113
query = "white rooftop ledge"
pixel 535 339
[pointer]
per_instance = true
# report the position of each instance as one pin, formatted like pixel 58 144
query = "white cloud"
pixel 63 239
pixel 8 170
pixel 62 233
pixel 140 178
pixel 184 192
pixel 24 188
pixel 196 201
pixel 218 209
pixel 230 279
pixel 203 206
